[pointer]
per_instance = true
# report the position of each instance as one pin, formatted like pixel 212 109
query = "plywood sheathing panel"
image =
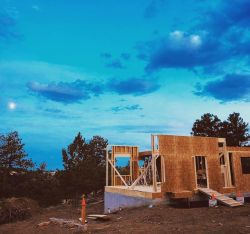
pixel 179 152
pixel 242 181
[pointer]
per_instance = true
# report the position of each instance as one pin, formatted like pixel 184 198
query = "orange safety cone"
pixel 83 210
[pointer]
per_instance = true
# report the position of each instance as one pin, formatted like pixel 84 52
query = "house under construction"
pixel 176 167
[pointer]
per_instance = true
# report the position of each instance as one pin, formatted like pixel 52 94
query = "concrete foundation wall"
pixel 115 201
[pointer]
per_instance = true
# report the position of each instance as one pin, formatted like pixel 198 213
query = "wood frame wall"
pixel 179 153
pixel 178 167
pixel 242 181
pixel 114 151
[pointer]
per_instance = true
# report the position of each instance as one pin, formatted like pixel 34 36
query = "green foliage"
pixel 12 154
pixel 209 125
pixel 13 159
pixel 84 171
pixel 38 185
pixel 16 178
pixel 84 166
pixel 234 129
pixel 41 186
pixel 75 153
pixel 123 170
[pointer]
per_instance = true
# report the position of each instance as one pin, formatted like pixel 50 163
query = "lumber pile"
pixel 99 217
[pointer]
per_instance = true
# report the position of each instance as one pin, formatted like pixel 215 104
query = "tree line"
pixel 84 162
pixel 83 173
pixel 234 129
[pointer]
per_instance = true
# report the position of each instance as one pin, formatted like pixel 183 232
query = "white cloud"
pixel 177 35
pixel 195 40
pixel 180 39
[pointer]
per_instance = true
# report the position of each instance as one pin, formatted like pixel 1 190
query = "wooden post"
pixel 154 173
pixel 112 170
pixel 228 170
pixel 227 174
pixel 152 143
pixel 207 174
pixel 153 164
pixel 107 167
pixel 163 174
pixel 195 171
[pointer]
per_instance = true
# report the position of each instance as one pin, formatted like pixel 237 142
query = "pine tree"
pixel 84 165
pixel 75 152
pixel 12 153
pixel 209 125
pixel 235 130
pixel 12 158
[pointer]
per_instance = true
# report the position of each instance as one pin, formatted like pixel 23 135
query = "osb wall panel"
pixel 179 152
pixel 242 181
pixel 131 151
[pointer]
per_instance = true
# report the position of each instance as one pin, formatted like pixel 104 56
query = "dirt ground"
pixel 158 219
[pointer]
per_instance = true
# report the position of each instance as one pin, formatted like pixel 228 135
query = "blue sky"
pixel 119 69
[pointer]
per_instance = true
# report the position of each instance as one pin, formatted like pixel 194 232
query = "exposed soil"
pixel 13 209
pixel 158 219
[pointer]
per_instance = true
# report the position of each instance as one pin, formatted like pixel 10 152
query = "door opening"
pixel 201 172
pixel 160 169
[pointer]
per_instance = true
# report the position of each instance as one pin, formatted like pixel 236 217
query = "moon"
pixel 12 105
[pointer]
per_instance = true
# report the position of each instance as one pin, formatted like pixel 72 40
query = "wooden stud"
pixel 107 167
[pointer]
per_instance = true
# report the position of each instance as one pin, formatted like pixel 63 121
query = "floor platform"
pixel 138 191
pixel 118 197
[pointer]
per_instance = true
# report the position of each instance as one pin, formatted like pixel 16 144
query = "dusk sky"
pixel 120 69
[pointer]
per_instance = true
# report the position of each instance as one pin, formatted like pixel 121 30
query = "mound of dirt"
pixel 13 209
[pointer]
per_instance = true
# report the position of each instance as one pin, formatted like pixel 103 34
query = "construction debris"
pixel 69 224
pixel 99 217
pixel 42 224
